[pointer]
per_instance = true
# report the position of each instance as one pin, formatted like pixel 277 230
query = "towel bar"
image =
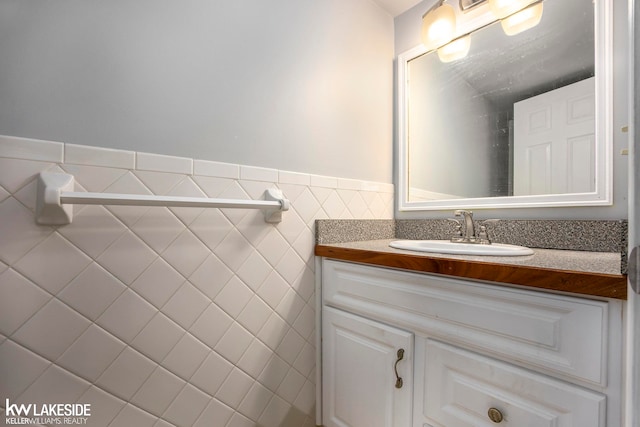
pixel 55 200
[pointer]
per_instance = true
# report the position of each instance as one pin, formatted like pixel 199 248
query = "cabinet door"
pixel 460 388
pixel 360 359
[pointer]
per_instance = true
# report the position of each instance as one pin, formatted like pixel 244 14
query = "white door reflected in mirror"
pixel 554 141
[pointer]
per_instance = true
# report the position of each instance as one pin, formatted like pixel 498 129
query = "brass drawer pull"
pixel 395 368
pixel 495 415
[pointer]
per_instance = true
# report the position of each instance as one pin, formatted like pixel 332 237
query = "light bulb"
pixel 503 8
pixel 457 49
pixel 438 26
pixel 523 20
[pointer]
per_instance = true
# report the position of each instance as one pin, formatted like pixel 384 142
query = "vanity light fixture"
pixel 466 5
pixel 457 49
pixel 522 20
pixel 438 25
pixel 503 8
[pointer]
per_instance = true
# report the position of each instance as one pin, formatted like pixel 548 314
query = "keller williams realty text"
pixel 47 413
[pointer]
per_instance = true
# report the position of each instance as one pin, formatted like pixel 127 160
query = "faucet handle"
pixel 483 235
pixel 458 227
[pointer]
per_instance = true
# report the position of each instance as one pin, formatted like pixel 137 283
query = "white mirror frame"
pixel 603 194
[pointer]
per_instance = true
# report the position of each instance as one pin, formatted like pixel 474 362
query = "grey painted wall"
pixel 296 85
pixel 452 160
pixel 407 36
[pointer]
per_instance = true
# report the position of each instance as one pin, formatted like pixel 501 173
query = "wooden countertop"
pixel 586 273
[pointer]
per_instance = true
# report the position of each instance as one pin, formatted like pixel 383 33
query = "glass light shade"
pixel 457 49
pixel 503 8
pixel 523 20
pixel 438 26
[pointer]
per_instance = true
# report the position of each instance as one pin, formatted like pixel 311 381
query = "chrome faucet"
pixel 468 230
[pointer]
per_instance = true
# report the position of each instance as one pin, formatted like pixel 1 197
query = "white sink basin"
pixel 448 247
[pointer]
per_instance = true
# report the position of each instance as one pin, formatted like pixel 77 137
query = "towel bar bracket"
pixel 271 215
pixel 55 200
pixel 49 209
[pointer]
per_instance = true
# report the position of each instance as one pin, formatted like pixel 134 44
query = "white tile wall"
pixel 164 317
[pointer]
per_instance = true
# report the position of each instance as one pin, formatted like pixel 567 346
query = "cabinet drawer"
pixel 561 334
pixel 461 387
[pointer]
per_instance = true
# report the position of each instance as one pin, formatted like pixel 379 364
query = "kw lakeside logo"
pixel 47 413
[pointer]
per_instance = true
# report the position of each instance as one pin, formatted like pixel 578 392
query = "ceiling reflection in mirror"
pixel 515 117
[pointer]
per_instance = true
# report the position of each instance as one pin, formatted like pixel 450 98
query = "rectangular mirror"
pixel 521 121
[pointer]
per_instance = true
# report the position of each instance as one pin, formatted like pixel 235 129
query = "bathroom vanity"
pixel 430 340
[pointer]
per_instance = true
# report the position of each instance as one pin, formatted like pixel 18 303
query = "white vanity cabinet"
pixel 476 354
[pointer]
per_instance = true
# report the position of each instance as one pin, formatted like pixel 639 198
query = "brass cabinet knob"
pixel 495 415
